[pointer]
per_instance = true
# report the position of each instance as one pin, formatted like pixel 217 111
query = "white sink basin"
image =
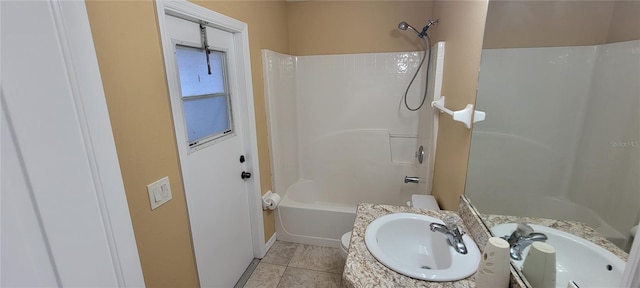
pixel 404 243
pixel 577 259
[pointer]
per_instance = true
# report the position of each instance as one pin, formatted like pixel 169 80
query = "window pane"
pixel 194 76
pixel 206 117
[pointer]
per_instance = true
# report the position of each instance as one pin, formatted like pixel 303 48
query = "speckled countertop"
pixel 572 227
pixel 363 270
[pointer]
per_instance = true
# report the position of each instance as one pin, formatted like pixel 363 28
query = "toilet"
pixel 417 201
pixel 344 244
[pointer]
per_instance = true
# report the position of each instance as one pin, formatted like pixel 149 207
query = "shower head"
pixel 404 25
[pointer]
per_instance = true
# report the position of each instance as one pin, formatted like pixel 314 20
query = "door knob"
pixel 245 175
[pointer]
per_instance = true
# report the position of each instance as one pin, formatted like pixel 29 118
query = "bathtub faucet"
pixel 450 229
pixel 408 179
pixel 521 238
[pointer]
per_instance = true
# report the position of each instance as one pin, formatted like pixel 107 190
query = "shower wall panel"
pixel 535 100
pixel 279 78
pixel 340 121
pixel 605 177
pixel 342 93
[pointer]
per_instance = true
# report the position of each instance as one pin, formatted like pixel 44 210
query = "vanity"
pixel 362 269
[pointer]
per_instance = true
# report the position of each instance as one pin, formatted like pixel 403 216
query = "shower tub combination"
pixel 340 135
pixel 573 171
pixel 360 169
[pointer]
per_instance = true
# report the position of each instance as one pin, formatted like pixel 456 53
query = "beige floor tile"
pixel 317 258
pixel 265 276
pixel 280 253
pixel 296 277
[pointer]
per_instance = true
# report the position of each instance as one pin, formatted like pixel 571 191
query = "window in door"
pixel 204 95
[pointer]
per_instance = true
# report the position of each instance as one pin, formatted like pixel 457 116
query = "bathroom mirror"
pixel 561 140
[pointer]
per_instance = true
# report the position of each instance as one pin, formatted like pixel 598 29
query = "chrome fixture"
pixel 420 154
pixel 408 179
pixel 404 25
pixel 453 233
pixel 521 238
pixel 427 51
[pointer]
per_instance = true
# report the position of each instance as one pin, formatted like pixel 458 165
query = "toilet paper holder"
pixel 270 200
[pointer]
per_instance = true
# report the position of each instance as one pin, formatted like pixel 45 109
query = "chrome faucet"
pixel 521 238
pixel 453 233
pixel 408 179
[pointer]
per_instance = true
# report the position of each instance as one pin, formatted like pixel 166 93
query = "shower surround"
pixel 556 117
pixel 339 135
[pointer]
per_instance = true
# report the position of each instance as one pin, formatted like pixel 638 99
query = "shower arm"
pixel 426 27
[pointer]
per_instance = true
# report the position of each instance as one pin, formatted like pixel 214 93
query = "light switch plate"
pixel 159 192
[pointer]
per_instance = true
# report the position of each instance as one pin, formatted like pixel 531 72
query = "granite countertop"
pixel 363 270
pixel 572 227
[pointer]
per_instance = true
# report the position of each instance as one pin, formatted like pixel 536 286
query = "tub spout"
pixel 408 179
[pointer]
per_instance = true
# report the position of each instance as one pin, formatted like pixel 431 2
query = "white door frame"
pixel 187 10
pixel 60 210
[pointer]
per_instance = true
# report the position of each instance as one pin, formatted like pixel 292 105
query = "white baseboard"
pixel 316 241
pixel 271 241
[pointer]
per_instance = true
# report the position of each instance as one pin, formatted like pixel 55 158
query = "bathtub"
pixel 309 215
pixel 343 169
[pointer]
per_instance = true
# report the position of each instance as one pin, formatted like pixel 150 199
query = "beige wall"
pixel 131 64
pixel 335 27
pixel 515 24
pixel 625 22
pixel 128 48
pixel 462 27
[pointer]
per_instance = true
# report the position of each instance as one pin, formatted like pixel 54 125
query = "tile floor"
pixel 298 265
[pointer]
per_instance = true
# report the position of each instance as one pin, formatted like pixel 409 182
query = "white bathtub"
pixel 348 167
pixel 310 215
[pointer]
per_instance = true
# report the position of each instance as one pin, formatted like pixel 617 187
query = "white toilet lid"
pixel 425 202
pixel 346 238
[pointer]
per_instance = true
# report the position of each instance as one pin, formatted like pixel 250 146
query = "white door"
pixel 65 219
pixel 210 141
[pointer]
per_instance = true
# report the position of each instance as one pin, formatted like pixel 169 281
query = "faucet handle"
pixel 524 229
pixel 451 222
